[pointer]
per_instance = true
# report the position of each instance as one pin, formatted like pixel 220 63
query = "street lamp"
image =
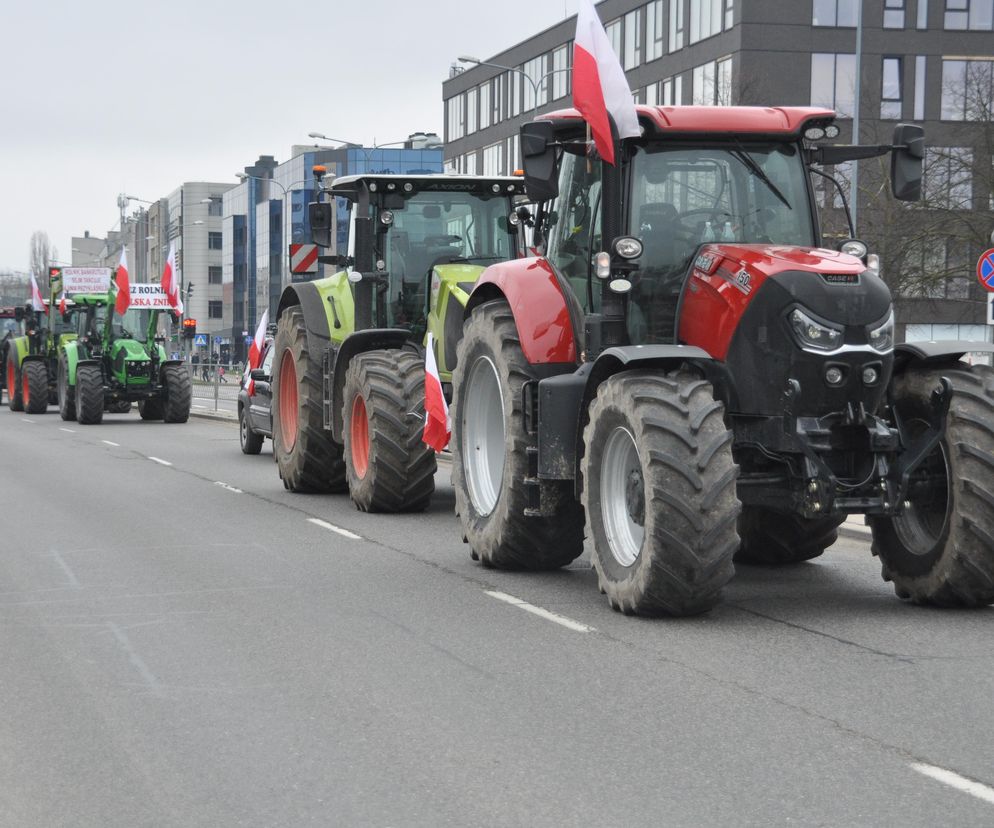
pixel 536 84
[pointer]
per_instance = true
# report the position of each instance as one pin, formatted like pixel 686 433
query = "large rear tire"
pixel 89 395
pixel 66 392
pixel 250 441
pixel 150 409
pixel 659 492
pixel 15 400
pixel 775 538
pixel 490 453
pixel 390 469
pixel 34 387
pixel 179 393
pixel 940 550
pixel 308 459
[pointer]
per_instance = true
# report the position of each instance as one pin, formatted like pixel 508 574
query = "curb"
pixel 214 415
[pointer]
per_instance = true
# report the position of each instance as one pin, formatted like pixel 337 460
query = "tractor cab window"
pixel 133 325
pixel 574 225
pixel 683 197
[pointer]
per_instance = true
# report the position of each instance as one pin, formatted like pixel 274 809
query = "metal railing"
pixel 216 382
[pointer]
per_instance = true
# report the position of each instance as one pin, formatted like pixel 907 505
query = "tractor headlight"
pixel 882 337
pixel 814 335
pixel 628 247
pixel 853 247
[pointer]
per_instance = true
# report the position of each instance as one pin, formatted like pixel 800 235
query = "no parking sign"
pixel 985 269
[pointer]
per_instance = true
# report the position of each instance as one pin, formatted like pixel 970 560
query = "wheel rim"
pixel 923 522
pixel 11 379
pixel 288 401
pixel 483 445
pixel 242 428
pixel 359 436
pixel 622 497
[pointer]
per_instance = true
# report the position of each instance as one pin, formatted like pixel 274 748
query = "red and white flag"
pixel 123 301
pixel 62 303
pixel 600 87
pixel 170 281
pixel 37 303
pixel 255 351
pixel 438 424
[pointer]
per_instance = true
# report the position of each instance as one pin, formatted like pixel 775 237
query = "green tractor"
pixel 349 371
pixel 114 361
pixel 31 358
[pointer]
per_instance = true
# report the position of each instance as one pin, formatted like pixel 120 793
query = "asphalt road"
pixel 183 645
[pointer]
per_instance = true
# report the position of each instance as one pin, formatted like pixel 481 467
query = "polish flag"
pixel 170 282
pixel 600 88
pixel 62 303
pixel 438 424
pixel 255 351
pixel 123 301
pixel 37 303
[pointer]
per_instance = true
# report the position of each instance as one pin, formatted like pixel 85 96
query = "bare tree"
pixel 42 254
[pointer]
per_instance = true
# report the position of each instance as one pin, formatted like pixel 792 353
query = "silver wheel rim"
pixel 483 446
pixel 622 492
pixel 243 428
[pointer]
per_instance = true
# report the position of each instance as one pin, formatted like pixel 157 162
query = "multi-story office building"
pixel 267 212
pixel 925 61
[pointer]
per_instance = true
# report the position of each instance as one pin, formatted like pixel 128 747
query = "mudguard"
pixel 929 353
pixel 71 351
pixel 451 287
pixel 541 311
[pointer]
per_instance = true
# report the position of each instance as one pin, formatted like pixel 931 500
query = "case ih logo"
pixel 841 278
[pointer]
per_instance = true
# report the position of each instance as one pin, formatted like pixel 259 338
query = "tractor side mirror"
pixel 322 222
pixel 19 314
pixel 538 153
pixel 259 375
pixel 906 162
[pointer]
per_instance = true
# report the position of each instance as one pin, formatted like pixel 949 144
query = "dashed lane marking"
pixel 548 615
pixel 224 485
pixel 954 780
pixel 111 443
pixel 160 461
pixel 26 420
pixel 67 430
pixel 345 533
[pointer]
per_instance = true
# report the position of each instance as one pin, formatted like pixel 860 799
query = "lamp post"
pixel 536 83
pixel 367 150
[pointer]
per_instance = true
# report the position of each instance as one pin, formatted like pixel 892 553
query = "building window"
pixel 492 159
pixel 215 309
pixel 833 82
pixel 729 13
pixel 705 19
pixel 712 83
pixel 214 241
pixel 471 111
pixel 214 274
pixel 655 25
pixel 920 86
pixel 840 13
pixel 483 95
pixel 651 94
pixel 561 58
pixel 894 14
pixel 216 207
pixel 676 25
pixel 672 91
pixel 967 90
pixel 890 93
pixel 922 14
pixel 454 118
pixel 535 80
pixel 633 39
pixel 469 163
pixel 970 14
pixel 948 180
pixel 513 157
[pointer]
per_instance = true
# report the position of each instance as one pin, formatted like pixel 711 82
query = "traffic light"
pixel 189 328
pixel 55 279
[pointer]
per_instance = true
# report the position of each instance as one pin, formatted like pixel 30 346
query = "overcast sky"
pixel 106 97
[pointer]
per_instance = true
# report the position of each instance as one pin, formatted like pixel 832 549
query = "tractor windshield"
pixel 133 325
pixel 438 228
pixel 682 197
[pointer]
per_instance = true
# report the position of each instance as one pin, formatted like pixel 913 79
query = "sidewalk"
pixel 211 414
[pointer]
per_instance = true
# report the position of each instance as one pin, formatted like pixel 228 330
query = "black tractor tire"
pixel 250 441
pixel 89 395
pixel 150 409
pixel 66 392
pixel 940 550
pixel 119 407
pixel 34 387
pixel 179 393
pixel 659 493
pixel 490 454
pixel 389 467
pixel 773 538
pixel 307 457
pixel 15 401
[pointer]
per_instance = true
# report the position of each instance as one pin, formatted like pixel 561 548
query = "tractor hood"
pixel 769 259
pixel 128 349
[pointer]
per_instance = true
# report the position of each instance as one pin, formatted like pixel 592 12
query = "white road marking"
pixel 68 430
pixel 224 485
pixel 197 405
pixel 345 533
pixel 548 615
pixel 136 660
pixel 26 420
pixel 160 461
pixel 70 575
pixel 954 780
pixel 110 442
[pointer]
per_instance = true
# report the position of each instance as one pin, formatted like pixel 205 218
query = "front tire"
pixel 308 459
pixel 67 392
pixel 179 393
pixel 490 453
pixel 89 395
pixel 659 492
pixel 250 441
pixel 774 538
pixel 34 387
pixel 389 467
pixel 14 399
pixel 940 550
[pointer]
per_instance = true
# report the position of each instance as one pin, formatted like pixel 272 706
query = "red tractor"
pixel 687 378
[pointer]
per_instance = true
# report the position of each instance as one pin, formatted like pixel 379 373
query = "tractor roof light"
pixel 513 218
pixel 854 247
pixel 628 247
pixel 386 217
pixel 602 264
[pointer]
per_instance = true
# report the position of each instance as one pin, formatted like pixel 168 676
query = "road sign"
pixel 217 340
pixel 200 339
pixel 985 269
pixel 248 339
pixel 303 258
